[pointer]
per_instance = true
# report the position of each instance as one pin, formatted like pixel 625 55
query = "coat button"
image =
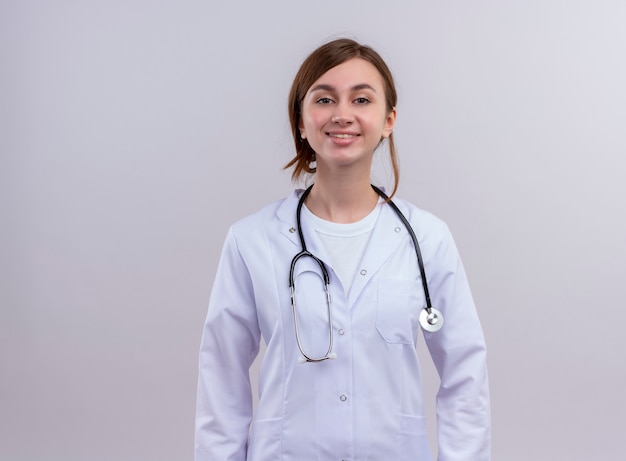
pixel 397 229
pixel 343 398
pixel 363 272
pixel 341 332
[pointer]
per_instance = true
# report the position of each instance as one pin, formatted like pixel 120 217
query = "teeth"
pixel 342 135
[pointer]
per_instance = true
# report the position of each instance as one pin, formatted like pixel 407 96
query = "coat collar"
pixel 286 214
pixel 388 233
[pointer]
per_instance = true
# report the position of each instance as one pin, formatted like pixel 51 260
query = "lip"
pixel 342 138
pixel 342 134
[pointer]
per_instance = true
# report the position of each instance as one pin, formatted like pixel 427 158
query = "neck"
pixel 341 200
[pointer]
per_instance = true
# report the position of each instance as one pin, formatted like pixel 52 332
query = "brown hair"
pixel 319 62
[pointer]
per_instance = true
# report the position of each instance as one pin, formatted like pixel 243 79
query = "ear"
pixel 301 128
pixel 390 121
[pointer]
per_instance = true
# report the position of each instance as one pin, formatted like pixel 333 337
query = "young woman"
pixel 331 279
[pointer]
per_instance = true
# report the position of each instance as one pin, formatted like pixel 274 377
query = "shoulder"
pixel 264 215
pixel 278 213
pixel 419 217
pixel 432 232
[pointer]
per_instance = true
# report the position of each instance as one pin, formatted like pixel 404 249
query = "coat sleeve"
pixel 230 343
pixel 459 354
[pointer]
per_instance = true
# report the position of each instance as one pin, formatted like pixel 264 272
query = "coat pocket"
pixel 265 440
pixel 413 439
pixel 397 311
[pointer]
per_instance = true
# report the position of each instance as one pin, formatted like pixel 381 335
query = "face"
pixel 344 115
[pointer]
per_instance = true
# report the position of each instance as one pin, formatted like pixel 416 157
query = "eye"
pixel 324 101
pixel 361 100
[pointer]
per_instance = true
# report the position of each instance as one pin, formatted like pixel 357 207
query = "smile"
pixel 342 135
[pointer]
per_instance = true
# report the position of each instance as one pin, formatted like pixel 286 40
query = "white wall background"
pixel 132 133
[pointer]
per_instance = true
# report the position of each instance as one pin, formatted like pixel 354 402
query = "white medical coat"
pixel 366 404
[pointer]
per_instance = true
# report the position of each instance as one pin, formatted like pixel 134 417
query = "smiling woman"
pixel 344 118
pixel 332 55
pixel 341 377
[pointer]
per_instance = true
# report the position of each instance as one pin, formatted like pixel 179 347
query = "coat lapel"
pixel 388 233
pixel 286 214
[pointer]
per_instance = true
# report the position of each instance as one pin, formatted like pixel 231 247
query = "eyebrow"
pixel 360 86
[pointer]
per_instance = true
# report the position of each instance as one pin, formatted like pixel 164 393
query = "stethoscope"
pixel 430 318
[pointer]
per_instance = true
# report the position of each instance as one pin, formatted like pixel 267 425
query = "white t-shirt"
pixel 345 243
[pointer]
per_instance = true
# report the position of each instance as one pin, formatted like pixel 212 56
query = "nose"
pixel 342 114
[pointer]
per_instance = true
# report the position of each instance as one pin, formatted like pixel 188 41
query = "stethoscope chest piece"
pixel 431 321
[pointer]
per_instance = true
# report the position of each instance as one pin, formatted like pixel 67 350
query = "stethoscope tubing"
pixel 304 253
pixel 416 246
pixel 431 321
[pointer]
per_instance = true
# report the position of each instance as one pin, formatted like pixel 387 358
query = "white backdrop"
pixel 133 133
